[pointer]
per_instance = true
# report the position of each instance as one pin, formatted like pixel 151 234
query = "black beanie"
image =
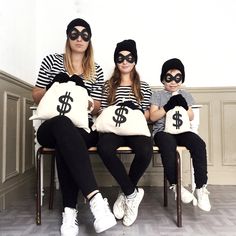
pixel 126 45
pixel 173 63
pixel 78 22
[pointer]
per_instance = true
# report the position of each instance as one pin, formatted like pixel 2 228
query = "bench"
pixel 93 150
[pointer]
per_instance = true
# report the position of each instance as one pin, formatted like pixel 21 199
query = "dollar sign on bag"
pixel 120 117
pixel 178 121
pixel 65 106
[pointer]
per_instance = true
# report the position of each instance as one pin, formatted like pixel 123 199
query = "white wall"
pixel 201 33
pixel 17 37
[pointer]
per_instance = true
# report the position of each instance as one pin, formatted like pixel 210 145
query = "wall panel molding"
pixel 27 136
pixel 16 137
pixel 11 136
pixel 228 128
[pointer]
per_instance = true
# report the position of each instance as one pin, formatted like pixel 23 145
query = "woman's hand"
pixel 90 105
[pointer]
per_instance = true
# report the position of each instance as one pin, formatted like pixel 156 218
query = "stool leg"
pixel 38 191
pixel 178 200
pixel 52 182
pixel 165 191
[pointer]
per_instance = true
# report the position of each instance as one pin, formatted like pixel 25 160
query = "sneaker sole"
pixel 118 217
pixel 204 209
pixel 106 227
pixel 66 234
pixel 186 202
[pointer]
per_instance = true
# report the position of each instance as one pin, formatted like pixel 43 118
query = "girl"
pixel 125 85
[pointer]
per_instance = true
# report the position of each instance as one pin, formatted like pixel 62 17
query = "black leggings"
pixel 167 144
pixel 72 157
pixel 141 146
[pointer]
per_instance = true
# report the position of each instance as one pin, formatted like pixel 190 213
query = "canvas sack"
pixel 65 99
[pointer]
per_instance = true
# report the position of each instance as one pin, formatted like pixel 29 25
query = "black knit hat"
pixel 126 45
pixel 78 22
pixel 173 63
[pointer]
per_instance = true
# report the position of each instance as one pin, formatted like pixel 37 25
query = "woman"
pixel 72 143
pixel 125 85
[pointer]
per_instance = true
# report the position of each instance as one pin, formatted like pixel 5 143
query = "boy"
pixel 172 76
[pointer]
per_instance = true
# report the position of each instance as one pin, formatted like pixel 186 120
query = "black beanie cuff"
pixel 173 63
pixel 78 22
pixel 126 45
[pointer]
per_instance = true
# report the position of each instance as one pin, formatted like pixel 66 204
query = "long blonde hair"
pixel 87 62
pixel 112 84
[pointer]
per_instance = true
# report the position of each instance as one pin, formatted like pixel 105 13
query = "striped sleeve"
pixel 104 102
pixel 147 93
pixel 96 89
pixel 50 66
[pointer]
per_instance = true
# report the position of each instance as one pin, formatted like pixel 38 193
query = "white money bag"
pixel 177 120
pixel 65 99
pixel 122 120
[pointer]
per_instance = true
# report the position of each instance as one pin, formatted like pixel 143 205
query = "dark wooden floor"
pixel 153 218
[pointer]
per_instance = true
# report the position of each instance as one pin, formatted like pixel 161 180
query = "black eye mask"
pixel 74 34
pixel 129 58
pixel 177 78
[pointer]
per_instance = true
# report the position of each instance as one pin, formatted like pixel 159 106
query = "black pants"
pixel 141 146
pixel 167 144
pixel 72 157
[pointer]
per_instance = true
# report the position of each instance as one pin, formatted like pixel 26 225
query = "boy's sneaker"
pixel 69 225
pixel 131 207
pixel 119 206
pixel 186 196
pixel 203 198
pixel 104 219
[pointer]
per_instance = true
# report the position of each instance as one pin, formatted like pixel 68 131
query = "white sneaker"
pixel 203 198
pixel 131 208
pixel 104 219
pixel 69 225
pixel 186 196
pixel 119 206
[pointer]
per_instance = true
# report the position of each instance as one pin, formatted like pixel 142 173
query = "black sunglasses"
pixel 129 58
pixel 75 33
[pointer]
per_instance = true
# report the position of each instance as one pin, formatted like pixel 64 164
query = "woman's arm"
pixel 97 105
pixel 37 94
pixel 147 115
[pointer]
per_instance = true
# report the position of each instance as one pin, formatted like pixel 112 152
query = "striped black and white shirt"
pixel 54 64
pixel 124 93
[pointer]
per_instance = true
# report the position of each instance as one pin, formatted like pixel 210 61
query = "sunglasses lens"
pixel 120 59
pixel 130 58
pixel 85 35
pixel 178 78
pixel 168 78
pixel 74 34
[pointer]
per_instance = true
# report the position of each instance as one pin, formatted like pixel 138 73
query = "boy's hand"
pixel 180 101
pixel 170 104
